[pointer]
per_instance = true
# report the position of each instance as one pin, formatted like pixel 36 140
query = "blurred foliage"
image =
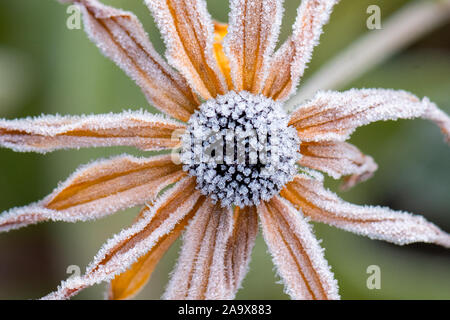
pixel 46 68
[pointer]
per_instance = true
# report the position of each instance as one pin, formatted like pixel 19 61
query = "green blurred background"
pixel 46 68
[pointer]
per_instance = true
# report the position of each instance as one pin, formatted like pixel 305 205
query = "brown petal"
pixel 333 116
pixel 215 254
pixel 240 245
pixel 253 31
pixel 121 37
pixel 128 284
pixel 146 236
pixel 440 118
pixel 296 252
pixel 98 189
pixel 338 159
pixel 48 133
pixel 188 32
pixel 322 205
pixel 289 62
pixel 220 31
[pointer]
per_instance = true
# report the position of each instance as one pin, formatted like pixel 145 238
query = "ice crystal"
pixel 240 148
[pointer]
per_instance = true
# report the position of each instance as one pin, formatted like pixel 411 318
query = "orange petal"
pixel 220 31
pixel 338 159
pixel 289 62
pixel 147 235
pixel 98 189
pixel 440 118
pixel 296 252
pixel 240 245
pixel 333 116
pixel 43 134
pixel 121 37
pixel 215 254
pixel 126 285
pixel 310 196
pixel 253 31
pixel 188 32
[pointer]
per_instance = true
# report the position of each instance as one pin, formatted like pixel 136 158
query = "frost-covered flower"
pixel 228 81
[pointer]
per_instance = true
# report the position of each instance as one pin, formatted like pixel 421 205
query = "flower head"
pixel 243 159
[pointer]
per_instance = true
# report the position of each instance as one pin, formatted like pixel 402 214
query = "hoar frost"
pixel 240 149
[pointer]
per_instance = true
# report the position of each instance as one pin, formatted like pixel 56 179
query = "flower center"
pixel 240 149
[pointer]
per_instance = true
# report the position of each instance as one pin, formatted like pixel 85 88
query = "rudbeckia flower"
pixel 242 160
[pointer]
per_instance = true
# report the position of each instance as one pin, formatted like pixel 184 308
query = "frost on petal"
pixel 253 31
pixel 129 283
pixel 215 254
pixel 335 115
pixel 188 32
pixel 98 189
pixel 121 37
pixel 310 196
pixel 439 117
pixel 171 212
pixel 289 62
pixel 43 134
pixel 296 252
pixel 240 245
pixel 220 31
pixel 338 159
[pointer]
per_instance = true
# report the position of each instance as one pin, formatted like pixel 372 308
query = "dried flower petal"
pixel 121 37
pixel 97 189
pixel 322 205
pixel 220 31
pixel 296 252
pixel 338 159
pixel 289 62
pixel 43 134
pixel 188 33
pixel 439 117
pixel 173 209
pixel 335 115
pixel 240 245
pixel 253 31
pixel 215 254
pixel 127 284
